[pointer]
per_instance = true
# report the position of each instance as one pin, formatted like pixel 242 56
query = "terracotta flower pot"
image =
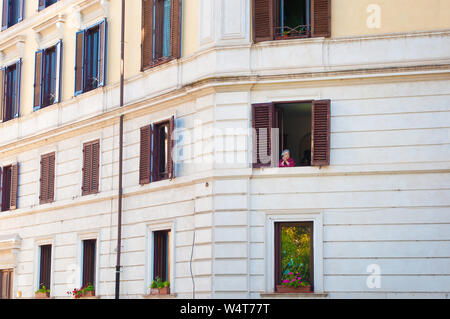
pixel 90 293
pixel 41 295
pixel 154 291
pixel 164 291
pixel 284 289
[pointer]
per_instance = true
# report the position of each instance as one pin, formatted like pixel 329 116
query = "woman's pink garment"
pixel 291 163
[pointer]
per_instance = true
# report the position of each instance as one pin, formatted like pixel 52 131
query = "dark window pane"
pixel 13 12
pixel 49 77
pixel 49 2
pixel 45 266
pixel 89 262
pixel 293 18
pixel 10 92
pixel 91 58
pixel 6 191
pixel 161 255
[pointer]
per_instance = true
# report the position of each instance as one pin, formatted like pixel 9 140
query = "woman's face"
pixel 286 156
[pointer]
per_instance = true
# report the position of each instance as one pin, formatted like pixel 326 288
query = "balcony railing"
pixel 287 32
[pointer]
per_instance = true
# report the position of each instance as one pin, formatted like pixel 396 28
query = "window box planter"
pixel 90 293
pixel 160 291
pixel 284 289
pixel 41 295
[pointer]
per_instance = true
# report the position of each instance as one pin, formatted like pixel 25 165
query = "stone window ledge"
pixel 274 295
pixel 170 296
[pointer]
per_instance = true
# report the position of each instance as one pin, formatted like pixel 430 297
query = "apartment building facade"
pixel 358 91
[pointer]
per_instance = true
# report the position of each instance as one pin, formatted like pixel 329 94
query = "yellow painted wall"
pixel 350 17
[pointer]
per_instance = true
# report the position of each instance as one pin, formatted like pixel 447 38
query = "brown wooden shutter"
pixel 89 262
pixel 79 61
pixel 14 186
pixel 47 180
pixel 2 92
pixel 38 79
pixel 145 155
pixel 45 266
pixel 95 166
pixel 147 34
pixel 262 122
pixel 6 280
pixel 175 29
pixel 320 136
pixel 170 141
pixel 87 159
pixel 1 189
pixel 321 18
pixel 5 15
pixel 263 22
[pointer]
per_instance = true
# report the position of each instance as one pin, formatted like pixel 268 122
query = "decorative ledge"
pixel 88 12
pixel 51 29
pixel 12 49
pixel 272 295
pixel 170 296
pixel 9 247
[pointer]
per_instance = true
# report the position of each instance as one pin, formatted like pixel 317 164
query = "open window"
pixel 287 19
pixel 10 91
pixel 294 267
pixel 89 263
pixel 156 151
pixel 12 12
pixel 45 264
pixel 8 187
pixel 46 3
pixel 161 255
pixel 301 127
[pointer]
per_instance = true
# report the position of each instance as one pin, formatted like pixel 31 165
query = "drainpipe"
pixel 119 206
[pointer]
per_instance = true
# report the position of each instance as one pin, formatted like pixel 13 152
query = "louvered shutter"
pixel 147 34
pixel 38 65
pixel 321 18
pixel 2 93
pixel 87 159
pixel 14 186
pixel 175 29
pixel 18 85
pixel 79 63
pixel 43 195
pixel 5 15
pixel 102 47
pixel 58 83
pixel 320 137
pixel 51 178
pixel 41 5
pixel 145 155
pixel 263 120
pixel 95 166
pixel 263 22
pixel 170 153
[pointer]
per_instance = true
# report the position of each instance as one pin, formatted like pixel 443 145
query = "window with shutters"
pixel 156 152
pixel 46 3
pixel 301 127
pixel 161 254
pixel 12 12
pixel 89 262
pixel 8 187
pixel 294 267
pixel 6 283
pixel 45 264
pixel 90 58
pixel 10 91
pixel 47 179
pixel 47 77
pixel 288 19
pixel 91 167
pixel 161 31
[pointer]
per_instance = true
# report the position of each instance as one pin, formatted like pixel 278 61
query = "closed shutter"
pixel 320 136
pixel 5 15
pixel 145 155
pixel 45 266
pixel 170 153
pixel 263 20
pixel 17 88
pixel 147 34
pixel 91 167
pixel 79 63
pixel 102 53
pixel 2 93
pixel 14 186
pixel 263 120
pixel 175 29
pixel 6 280
pixel 95 166
pixel 321 18
pixel 38 65
pixel 89 262
pixel 47 180
pixel 1 189
pixel 59 58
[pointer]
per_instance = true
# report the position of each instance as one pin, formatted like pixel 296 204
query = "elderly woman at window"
pixel 286 159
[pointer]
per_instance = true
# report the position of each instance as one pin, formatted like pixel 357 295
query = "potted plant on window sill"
pixel 42 293
pixel 87 291
pixel 159 287
pixel 292 283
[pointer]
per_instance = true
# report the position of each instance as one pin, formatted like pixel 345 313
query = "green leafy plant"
pixel 166 284
pixel 78 293
pixel 43 289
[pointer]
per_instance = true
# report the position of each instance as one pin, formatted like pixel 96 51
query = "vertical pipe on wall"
pixel 119 206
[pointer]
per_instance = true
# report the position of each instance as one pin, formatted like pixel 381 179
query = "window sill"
pixel 170 296
pixel 305 295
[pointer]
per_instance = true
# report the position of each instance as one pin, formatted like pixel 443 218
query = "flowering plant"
pixel 77 293
pixel 293 280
